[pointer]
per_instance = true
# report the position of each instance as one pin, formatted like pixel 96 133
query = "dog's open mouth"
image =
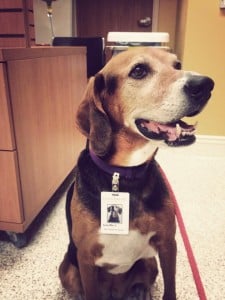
pixel 177 133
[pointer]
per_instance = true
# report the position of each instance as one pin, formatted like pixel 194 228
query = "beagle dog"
pixel 134 104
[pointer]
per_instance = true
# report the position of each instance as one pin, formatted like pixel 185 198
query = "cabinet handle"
pixel 145 22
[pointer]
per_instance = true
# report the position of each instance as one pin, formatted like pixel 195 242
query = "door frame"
pixel 155 15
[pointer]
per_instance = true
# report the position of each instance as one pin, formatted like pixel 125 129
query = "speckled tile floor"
pixel 197 174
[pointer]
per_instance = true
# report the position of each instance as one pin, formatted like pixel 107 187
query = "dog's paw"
pixel 70 278
pixel 139 292
pixel 169 297
pixel 79 297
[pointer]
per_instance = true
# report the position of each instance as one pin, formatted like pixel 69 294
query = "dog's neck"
pixel 131 150
pixel 138 156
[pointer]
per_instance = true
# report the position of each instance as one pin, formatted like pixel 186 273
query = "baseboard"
pixel 211 139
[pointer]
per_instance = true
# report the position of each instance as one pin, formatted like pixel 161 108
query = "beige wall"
pixel 201 45
pixel 62 20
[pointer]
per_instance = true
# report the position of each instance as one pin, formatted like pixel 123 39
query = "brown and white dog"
pixel 133 104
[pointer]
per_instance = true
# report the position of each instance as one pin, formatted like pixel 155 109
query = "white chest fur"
pixel 124 250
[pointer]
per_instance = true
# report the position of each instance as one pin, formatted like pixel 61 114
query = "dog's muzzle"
pixel 178 133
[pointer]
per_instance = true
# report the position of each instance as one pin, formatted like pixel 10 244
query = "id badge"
pixel 115 212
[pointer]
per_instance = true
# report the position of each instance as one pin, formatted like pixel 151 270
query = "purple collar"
pixel 127 172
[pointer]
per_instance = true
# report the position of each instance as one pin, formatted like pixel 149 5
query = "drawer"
pixel 8 21
pixel 10 193
pixel 6 128
pixel 11 4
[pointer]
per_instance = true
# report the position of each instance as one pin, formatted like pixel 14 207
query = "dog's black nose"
pixel 199 87
pixel 198 90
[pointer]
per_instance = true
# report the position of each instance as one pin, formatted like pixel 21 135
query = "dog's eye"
pixel 139 71
pixel 177 65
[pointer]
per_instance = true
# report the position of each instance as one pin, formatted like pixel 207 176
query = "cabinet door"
pixel 45 93
pixel 6 136
pixel 10 196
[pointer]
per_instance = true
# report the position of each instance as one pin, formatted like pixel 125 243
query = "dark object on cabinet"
pixel 95 50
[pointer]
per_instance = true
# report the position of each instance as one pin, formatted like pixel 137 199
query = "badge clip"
pixel 115 182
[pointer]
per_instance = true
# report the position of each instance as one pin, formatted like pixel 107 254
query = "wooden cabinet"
pixel 40 90
pixel 16 23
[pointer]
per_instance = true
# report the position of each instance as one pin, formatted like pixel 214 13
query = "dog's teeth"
pixel 184 133
pixel 178 129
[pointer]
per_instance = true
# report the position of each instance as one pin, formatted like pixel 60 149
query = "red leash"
pixel 189 251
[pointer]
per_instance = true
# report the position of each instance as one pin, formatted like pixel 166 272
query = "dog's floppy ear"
pixel 92 120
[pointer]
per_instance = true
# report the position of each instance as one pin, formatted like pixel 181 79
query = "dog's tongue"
pixel 173 133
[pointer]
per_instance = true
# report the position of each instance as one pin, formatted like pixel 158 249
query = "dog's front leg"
pixel 89 279
pixel 167 257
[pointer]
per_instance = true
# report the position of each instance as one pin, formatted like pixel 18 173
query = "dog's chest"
pixel 122 251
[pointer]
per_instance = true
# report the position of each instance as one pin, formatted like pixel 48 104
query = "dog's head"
pixel 144 93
